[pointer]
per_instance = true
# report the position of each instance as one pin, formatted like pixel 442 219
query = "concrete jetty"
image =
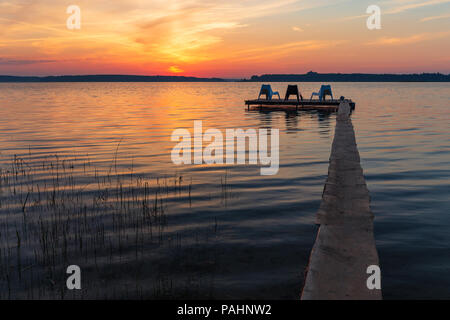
pixel 345 244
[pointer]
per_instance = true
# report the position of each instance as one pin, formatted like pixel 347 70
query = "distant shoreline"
pixel 307 77
pixel 106 78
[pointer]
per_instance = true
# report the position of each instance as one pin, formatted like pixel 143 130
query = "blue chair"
pixel 324 90
pixel 266 89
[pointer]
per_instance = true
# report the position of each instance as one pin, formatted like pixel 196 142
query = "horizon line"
pixel 219 77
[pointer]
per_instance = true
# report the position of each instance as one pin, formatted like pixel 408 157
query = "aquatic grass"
pixel 64 210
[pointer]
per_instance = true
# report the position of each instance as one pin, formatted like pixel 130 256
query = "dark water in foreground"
pixel 112 201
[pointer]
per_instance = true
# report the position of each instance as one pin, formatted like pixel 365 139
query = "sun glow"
pixel 175 69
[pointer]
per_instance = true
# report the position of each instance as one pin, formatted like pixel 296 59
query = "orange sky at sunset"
pixel 233 38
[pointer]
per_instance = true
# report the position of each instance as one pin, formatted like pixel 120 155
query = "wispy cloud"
pixel 415 5
pixel 185 31
pixel 354 17
pixel 409 39
pixel 444 16
pixel 283 49
pixel 398 6
pixel 297 29
pixel 13 62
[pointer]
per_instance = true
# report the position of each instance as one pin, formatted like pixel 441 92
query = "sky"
pixel 225 38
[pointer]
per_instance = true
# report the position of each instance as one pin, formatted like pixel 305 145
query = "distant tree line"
pixel 351 77
pixel 107 78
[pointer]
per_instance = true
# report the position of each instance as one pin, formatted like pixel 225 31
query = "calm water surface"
pixel 250 235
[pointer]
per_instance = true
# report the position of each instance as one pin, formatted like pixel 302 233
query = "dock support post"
pixel 345 244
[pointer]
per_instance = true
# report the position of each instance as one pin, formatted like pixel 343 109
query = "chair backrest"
pixel 266 89
pixel 292 89
pixel 325 89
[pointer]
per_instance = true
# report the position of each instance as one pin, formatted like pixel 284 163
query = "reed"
pixel 65 210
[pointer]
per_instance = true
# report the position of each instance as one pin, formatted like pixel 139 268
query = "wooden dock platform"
pixel 306 104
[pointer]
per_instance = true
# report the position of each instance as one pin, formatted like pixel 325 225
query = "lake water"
pixel 221 231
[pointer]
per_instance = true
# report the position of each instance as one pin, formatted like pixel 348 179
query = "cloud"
pixel 282 50
pixel 183 33
pixel 7 4
pixel 444 16
pixel 13 62
pixel 416 5
pixel 297 29
pixel 399 8
pixel 354 17
pixel 409 39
